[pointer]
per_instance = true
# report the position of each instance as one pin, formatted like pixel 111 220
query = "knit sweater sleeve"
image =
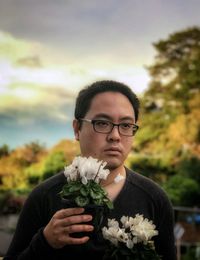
pixel 24 244
pixel 28 241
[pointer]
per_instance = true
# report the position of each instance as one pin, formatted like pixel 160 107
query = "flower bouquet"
pixel 83 189
pixel 131 239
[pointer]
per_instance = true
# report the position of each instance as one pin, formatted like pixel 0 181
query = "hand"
pixel 63 223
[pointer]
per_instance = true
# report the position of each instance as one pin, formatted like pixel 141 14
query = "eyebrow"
pixel 105 116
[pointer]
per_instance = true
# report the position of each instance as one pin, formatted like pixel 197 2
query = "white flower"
pixel 71 173
pixel 130 243
pixel 83 182
pixel 86 169
pixel 134 230
pixel 114 233
pixel 113 223
pixel 142 228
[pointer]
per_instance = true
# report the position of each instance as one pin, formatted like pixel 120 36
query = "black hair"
pixel 85 96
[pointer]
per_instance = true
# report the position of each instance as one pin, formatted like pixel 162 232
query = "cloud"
pixel 33 91
pixel 12 48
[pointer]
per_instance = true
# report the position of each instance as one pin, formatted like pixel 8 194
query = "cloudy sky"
pixel 50 49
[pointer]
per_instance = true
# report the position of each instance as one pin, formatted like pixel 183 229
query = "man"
pixel 106 113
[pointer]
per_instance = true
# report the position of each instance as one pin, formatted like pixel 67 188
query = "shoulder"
pixel 51 185
pixel 146 186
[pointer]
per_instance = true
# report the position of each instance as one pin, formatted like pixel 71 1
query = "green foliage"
pixel 4 196
pixel 34 173
pixel 153 125
pixel 170 124
pixel 183 191
pixel 175 72
pixel 154 167
pixel 85 194
pixel 12 201
pixel 139 251
pixel 54 163
pixel 189 167
pixel 4 150
pixel 169 135
pixel 190 254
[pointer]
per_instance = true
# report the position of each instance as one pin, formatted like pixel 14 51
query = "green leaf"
pixel 84 191
pixel 81 201
pixel 109 204
pixel 75 187
pixel 95 195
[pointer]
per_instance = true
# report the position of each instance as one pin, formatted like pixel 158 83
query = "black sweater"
pixel 139 195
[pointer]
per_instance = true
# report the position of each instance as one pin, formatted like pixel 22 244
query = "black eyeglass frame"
pixel 93 121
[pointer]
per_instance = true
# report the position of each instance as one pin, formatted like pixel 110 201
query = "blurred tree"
pixel 183 191
pixel 70 148
pixel 169 137
pixel 175 73
pixel 4 150
pixel 154 167
pixel 54 163
pixel 11 173
pixel 170 122
pixel 25 166
pixel 34 172
pixel 32 152
pixel 189 166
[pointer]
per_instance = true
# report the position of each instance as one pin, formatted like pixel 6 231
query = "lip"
pixel 113 150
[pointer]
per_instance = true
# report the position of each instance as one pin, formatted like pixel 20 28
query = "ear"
pixel 76 129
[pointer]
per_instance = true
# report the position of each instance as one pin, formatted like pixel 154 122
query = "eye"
pixel 125 125
pixel 101 123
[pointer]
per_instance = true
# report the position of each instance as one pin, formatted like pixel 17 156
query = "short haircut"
pixel 85 96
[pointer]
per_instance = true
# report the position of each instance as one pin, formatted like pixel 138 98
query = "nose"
pixel 114 135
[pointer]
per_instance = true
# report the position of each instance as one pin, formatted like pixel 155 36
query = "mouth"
pixel 113 150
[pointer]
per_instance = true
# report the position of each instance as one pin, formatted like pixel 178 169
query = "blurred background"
pixel 50 49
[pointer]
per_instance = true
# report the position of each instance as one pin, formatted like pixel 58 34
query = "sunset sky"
pixel 50 49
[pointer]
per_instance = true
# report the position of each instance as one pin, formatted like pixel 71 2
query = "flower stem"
pixel 98 171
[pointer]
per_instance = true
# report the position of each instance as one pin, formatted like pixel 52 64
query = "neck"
pixel 114 177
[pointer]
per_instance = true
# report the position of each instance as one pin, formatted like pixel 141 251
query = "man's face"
pixel 113 147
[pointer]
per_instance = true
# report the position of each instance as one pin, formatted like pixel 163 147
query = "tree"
pixel 171 115
pixel 183 191
pixel 33 151
pixel 55 162
pixel 176 70
pixel 4 150
pixel 189 167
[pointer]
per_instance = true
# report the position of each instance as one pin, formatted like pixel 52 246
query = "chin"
pixel 113 164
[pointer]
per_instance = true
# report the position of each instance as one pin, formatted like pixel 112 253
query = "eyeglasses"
pixel 106 127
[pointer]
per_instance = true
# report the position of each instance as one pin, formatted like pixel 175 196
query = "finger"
pixel 75 220
pixel 76 241
pixel 78 228
pixel 63 213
